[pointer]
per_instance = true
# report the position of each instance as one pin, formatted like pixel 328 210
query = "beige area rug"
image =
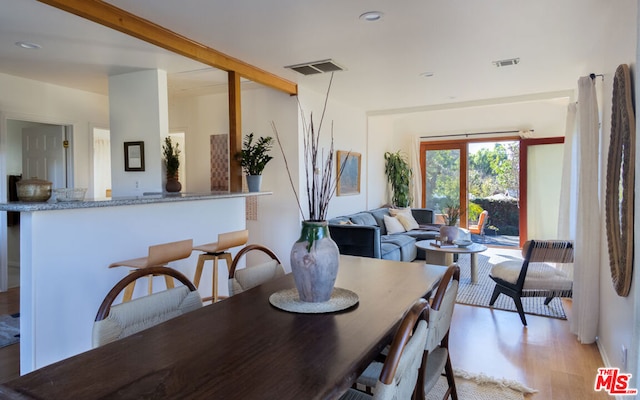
pixel 481 387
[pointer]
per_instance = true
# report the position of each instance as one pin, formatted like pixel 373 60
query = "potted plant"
pixel 398 174
pixel 449 231
pixel 171 154
pixel 253 158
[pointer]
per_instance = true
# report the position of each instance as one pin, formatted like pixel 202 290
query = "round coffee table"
pixel 444 255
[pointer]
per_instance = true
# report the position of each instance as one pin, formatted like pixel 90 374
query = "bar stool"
pixel 215 251
pixel 159 255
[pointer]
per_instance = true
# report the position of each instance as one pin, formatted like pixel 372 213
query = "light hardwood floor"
pixel 544 356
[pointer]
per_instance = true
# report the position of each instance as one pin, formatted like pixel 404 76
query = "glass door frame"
pixel 462 146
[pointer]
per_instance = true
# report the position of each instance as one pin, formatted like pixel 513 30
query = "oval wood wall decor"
pixel 620 182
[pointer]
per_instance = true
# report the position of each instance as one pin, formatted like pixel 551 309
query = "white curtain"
pixel 416 178
pixel 580 211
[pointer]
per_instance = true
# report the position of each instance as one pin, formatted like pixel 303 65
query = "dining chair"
pixel 114 322
pixel 532 277
pixel 398 375
pixel 251 276
pixel 437 361
pixel 436 358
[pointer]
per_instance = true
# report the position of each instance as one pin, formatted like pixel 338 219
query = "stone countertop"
pixel 151 198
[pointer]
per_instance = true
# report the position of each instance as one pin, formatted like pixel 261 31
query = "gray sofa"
pixel 365 234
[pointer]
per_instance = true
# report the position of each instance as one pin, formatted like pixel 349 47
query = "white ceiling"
pixel 457 40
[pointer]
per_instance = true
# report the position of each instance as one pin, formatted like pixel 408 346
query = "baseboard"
pixel 607 364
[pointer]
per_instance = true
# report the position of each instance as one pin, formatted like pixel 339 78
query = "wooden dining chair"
pixel 398 375
pixel 251 276
pixel 124 319
pixel 436 360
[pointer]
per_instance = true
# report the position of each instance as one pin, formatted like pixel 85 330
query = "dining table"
pixel 245 348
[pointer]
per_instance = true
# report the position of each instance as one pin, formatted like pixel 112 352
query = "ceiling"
pixel 454 40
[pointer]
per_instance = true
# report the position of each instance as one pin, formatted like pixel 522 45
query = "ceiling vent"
pixel 507 62
pixel 316 67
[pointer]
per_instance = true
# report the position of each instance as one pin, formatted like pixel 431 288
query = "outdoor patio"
pixel 497 240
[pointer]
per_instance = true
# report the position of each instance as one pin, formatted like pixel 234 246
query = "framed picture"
pixel 348 168
pixel 134 156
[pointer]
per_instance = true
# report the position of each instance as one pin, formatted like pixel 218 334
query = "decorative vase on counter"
pixel 173 185
pixel 314 262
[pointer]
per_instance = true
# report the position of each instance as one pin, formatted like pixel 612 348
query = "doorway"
pixel 475 176
pixel 26 156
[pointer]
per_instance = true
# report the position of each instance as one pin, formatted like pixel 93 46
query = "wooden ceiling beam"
pixel 133 25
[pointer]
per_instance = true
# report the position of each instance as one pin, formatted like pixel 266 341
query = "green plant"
pixel 451 214
pixel 171 155
pixel 398 174
pixel 255 155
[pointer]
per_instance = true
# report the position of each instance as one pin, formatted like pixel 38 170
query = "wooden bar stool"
pixel 215 251
pixel 159 255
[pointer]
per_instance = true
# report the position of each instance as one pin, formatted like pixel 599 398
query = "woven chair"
pixel 398 376
pixel 533 278
pixel 251 276
pixel 122 320
pixel 436 359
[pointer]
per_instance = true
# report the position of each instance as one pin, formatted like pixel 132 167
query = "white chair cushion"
pixel 136 315
pixel 539 276
pixel 246 278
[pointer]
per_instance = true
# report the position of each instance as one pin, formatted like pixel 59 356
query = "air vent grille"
pixel 507 62
pixel 316 67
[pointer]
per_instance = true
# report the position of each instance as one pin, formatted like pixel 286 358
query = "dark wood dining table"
pixel 243 347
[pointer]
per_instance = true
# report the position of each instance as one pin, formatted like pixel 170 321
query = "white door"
pixel 43 154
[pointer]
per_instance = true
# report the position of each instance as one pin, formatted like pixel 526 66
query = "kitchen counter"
pixel 66 248
pixel 22 206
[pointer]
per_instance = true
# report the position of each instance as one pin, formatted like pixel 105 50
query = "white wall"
pixel 138 112
pixel 278 224
pixel 29 100
pixel 544 113
pixel 617 314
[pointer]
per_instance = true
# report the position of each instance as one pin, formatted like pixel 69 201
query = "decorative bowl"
pixel 33 189
pixel 70 194
pixel 463 243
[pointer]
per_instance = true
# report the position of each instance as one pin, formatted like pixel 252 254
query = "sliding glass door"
pixel 445 179
pixel 476 176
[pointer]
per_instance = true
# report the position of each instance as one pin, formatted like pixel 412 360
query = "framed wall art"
pixel 348 167
pixel 134 156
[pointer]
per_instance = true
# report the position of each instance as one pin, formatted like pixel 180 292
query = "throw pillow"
pixel 408 222
pixel 393 225
pixel 406 218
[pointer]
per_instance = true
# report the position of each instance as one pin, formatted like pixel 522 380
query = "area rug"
pixel 479 294
pixel 9 329
pixel 480 387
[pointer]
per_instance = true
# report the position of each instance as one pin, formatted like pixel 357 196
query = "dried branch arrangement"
pixel 320 184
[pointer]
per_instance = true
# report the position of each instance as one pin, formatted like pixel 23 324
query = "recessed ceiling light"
pixel 28 45
pixel 371 16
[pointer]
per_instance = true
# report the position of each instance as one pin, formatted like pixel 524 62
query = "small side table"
pixel 444 255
